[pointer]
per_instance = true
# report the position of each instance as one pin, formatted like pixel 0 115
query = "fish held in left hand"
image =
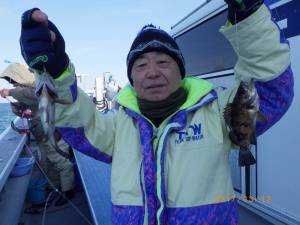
pixel 47 97
pixel 241 116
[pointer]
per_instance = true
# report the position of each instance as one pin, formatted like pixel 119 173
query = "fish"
pixel 241 116
pixel 47 97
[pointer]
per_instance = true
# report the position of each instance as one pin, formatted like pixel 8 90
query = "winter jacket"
pixel 173 174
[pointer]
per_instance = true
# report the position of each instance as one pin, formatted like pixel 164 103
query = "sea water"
pixel 6 116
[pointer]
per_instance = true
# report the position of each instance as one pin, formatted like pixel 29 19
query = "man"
pixel 158 176
pixel 58 168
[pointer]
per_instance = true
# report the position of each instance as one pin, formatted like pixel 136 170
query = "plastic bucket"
pixel 22 167
pixel 37 192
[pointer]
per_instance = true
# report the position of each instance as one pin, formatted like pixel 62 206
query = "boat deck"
pixel 61 215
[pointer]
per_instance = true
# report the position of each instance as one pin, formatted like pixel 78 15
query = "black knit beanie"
pixel 150 39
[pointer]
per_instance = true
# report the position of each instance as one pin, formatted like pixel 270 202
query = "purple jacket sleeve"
pixel 275 98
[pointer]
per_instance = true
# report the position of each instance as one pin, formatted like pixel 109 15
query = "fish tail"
pixel 246 158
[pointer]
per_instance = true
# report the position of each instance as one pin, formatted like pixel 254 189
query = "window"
pixel 205 49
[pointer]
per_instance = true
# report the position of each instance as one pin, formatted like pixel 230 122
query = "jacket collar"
pixel 195 87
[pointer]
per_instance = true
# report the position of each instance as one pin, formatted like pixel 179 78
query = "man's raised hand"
pixel 42 45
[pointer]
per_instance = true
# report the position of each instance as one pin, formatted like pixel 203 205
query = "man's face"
pixel 155 76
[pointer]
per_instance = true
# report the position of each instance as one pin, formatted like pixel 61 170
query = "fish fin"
pixel 39 85
pixel 227 114
pixel 49 83
pixel 261 117
pixel 246 158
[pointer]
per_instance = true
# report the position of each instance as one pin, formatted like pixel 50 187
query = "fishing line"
pixel 40 167
pixel 55 189
pixel 236 34
pixel 45 207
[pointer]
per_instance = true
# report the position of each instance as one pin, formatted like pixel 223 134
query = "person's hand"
pixel 42 45
pixel 241 9
pixel 4 92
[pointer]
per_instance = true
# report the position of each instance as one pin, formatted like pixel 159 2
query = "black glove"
pixel 241 9
pixel 37 48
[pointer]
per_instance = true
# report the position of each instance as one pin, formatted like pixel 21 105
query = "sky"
pixel 98 34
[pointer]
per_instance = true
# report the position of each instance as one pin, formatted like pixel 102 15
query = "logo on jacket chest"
pixel 192 133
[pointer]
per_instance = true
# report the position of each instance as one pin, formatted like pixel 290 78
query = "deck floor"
pixel 60 215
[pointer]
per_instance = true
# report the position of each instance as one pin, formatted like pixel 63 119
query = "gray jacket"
pixel 27 100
